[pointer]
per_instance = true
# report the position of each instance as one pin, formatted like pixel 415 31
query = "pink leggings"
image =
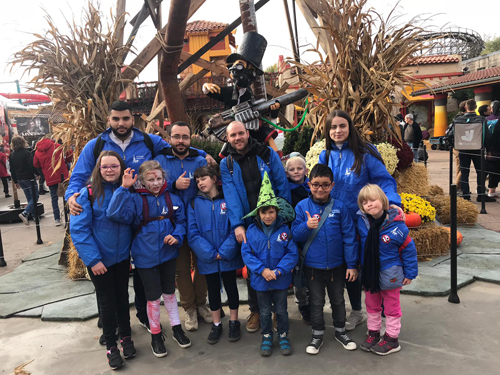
pixel 153 309
pixel 392 310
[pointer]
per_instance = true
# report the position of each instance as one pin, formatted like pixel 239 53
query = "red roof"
pixel 435 59
pixel 204 26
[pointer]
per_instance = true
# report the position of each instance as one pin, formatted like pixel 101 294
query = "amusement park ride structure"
pixel 455 41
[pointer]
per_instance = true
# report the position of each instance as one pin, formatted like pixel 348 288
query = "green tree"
pixel 491 45
pixel 272 69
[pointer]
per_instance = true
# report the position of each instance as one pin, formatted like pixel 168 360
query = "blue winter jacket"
pixel 148 248
pixel 348 183
pixel 135 154
pixel 96 238
pixel 335 243
pixel 276 252
pixel 394 235
pixel 175 167
pixel 235 192
pixel 209 233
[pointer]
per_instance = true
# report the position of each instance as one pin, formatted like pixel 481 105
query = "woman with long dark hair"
pixel 355 163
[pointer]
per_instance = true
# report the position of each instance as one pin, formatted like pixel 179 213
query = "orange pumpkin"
pixel 413 220
pixel 460 236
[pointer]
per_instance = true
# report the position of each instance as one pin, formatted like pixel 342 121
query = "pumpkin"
pixel 413 220
pixel 460 236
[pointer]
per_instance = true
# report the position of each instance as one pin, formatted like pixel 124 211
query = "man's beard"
pixel 176 150
pixel 125 135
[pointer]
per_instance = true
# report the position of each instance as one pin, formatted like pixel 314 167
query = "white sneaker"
pixel 191 322
pixel 58 223
pixel 493 195
pixel 24 218
pixel 355 318
pixel 205 313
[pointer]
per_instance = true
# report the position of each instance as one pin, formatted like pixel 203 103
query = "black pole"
pixel 139 19
pixel 296 31
pixel 425 155
pixel 482 189
pixel 2 260
pixel 451 168
pixel 64 205
pixel 453 298
pixel 37 221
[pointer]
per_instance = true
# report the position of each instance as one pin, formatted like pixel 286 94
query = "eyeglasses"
pixel 184 137
pixel 317 186
pixel 112 167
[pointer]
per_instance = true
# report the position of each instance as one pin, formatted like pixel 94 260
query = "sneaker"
pixel 285 346
pixel 345 340
pixel 372 339
pixel 191 322
pixel 305 311
pixel 215 334
pixel 491 195
pixel 253 322
pixel 355 318
pixel 102 340
pixel 234 330
pixel 314 344
pixel 180 337
pixel 58 223
pixel 158 346
pixel 128 348
pixel 386 346
pixel 275 322
pixel 266 346
pixel 24 218
pixel 487 198
pixel 205 313
pixel 115 360
pixel 8 195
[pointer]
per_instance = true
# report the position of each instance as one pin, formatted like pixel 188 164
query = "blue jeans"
pixel 55 201
pixel 415 151
pixel 266 301
pixel 26 186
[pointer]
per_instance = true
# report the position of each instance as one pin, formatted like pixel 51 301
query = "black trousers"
pixel 214 284
pixel 140 300
pixel 465 158
pixel 253 302
pixel 112 296
pixel 5 183
pixel 333 280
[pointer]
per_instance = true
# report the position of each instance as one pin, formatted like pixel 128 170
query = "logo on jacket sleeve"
pixel 164 211
pixel 223 208
pixel 386 238
pixel 282 237
pixel 397 232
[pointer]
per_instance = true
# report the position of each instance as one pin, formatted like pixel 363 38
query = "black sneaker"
pixel 386 346
pixel 157 345
pixel 216 333
pixel 234 330
pixel 372 339
pixel 114 358
pixel 314 344
pixel 305 311
pixel 180 337
pixel 8 195
pixel 102 340
pixel 345 340
pixel 128 348
pixel 486 199
pixel 24 218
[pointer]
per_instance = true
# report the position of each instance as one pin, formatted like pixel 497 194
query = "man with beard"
pixel 241 175
pixel 180 162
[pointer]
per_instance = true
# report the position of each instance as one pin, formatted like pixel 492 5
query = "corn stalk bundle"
pixel 370 55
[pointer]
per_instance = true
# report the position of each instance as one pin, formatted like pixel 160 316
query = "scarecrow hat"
pixel 268 198
pixel 251 49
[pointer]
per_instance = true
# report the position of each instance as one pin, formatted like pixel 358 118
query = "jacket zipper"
pixel 268 257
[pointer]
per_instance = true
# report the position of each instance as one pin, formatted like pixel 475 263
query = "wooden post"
pixel 161 98
pixel 120 15
pixel 290 31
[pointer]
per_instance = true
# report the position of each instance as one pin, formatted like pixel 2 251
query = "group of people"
pixel 167 207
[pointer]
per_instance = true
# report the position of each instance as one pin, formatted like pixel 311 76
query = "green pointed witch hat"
pixel 268 198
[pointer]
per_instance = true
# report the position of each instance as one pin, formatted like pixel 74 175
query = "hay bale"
pixel 413 180
pixel 431 241
pixel 76 268
pixel 467 212
pixel 435 190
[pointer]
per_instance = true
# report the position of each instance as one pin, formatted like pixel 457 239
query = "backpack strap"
pixel 98 146
pixel 405 243
pixel 149 143
pixel 312 236
pixel 170 207
pixel 145 213
pixel 327 159
pixel 89 193
pixel 230 163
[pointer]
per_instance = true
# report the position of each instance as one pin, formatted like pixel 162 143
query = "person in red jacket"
pixel 52 169
pixel 4 173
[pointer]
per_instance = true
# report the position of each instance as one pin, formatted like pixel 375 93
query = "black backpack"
pixel 99 145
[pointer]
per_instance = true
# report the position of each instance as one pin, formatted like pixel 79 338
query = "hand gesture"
pixel 127 180
pixel 406 281
pixel 268 274
pixel 212 88
pixel 99 269
pixel 400 210
pixel 218 257
pixel 240 234
pixel 74 208
pixel 351 275
pixel 312 222
pixel 182 182
pixel 170 240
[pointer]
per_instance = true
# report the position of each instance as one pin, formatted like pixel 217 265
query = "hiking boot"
pixel 275 322
pixel 372 339
pixel 128 348
pixel 285 346
pixel 158 346
pixel 486 199
pixel 314 344
pixel 115 360
pixel 205 313
pixel 386 346
pixel 253 322
pixel 24 218
pixel 345 340
pixel 191 322
pixel 266 346
pixel 355 318
pixel 180 337
pixel 215 334
pixel 305 311
pixel 234 330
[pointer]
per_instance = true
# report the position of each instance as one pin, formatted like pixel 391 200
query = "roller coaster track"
pixel 456 41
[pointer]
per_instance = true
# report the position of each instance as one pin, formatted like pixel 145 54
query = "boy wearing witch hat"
pixel 271 255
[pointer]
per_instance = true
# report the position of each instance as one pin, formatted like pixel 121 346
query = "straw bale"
pixel 435 190
pixel 431 241
pixel 467 212
pixel 413 180
pixel 76 268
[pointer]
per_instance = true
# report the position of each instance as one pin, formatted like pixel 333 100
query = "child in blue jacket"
pixel 104 247
pixel 217 250
pixel 331 258
pixel 271 255
pixel 160 223
pixel 389 261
